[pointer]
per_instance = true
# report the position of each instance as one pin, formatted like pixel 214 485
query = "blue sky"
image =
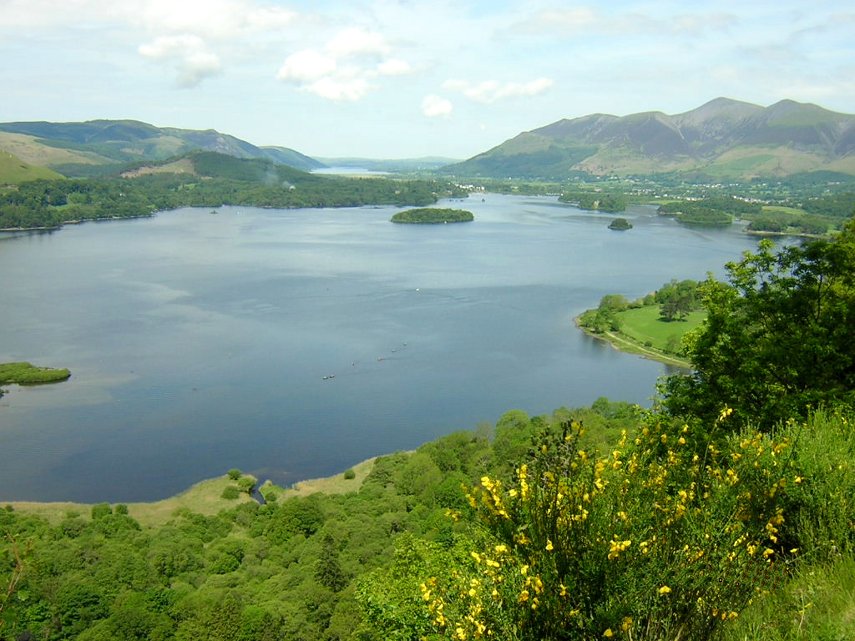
pixel 406 78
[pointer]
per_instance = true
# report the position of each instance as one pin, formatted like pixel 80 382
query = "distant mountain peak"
pixel 724 137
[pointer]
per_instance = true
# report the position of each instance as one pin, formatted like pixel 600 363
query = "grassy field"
pixel 644 333
pixel 644 325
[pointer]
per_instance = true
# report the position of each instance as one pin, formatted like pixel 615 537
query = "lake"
pixel 294 343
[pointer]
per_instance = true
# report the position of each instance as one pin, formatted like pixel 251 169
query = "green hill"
pixel 103 146
pixel 13 170
pixel 722 139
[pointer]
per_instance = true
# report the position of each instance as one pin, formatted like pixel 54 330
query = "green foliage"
pixel 620 224
pixel 596 201
pixel 246 483
pixel 230 492
pixel 27 374
pixel 234 474
pixel 671 535
pixel 349 474
pixel 678 299
pixel 219 180
pixel 101 510
pixel 296 568
pixel 430 215
pixel 839 205
pixel 779 337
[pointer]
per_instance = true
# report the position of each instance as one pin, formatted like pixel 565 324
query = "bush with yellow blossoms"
pixel 669 535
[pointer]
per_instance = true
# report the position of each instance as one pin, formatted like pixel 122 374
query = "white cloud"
pixel 394 67
pixel 490 91
pixel 340 89
pixel 344 68
pixel 434 106
pixel 355 41
pixel 306 66
pixel 189 55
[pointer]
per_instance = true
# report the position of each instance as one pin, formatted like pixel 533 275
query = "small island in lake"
pixel 432 216
pixel 29 374
pixel 620 224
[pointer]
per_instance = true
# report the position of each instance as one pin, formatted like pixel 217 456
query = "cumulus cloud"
pixel 394 67
pixel 434 106
pixel 490 91
pixel 344 68
pixel 306 66
pixel 189 55
pixel 193 37
pixel 355 41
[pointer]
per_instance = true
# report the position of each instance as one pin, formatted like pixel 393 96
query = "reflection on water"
pixel 295 343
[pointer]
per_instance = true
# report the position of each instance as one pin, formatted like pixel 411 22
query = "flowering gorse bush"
pixel 667 536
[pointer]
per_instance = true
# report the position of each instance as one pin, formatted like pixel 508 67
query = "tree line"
pixel 221 180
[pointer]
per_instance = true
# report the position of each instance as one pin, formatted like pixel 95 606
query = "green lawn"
pixel 643 332
pixel 645 325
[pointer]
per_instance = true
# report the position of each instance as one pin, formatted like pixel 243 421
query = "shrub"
pixel 100 510
pixel 234 474
pixel 349 474
pixel 230 492
pixel 668 536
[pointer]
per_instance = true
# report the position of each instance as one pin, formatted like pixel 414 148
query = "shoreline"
pixel 203 497
pixel 626 345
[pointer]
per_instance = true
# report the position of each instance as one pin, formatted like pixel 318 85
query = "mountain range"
pixel 98 146
pixel 721 139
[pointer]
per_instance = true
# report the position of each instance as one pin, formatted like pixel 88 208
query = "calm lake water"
pixel 201 342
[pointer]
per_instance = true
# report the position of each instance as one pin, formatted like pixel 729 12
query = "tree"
pixel 677 299
pixel 779 337
pixel 328 570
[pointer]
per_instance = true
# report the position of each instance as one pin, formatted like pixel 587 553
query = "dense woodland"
pixel 216 180
pixel 595 200
pixel 727 511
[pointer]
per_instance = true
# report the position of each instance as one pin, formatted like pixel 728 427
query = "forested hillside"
pixel 201 179
pixel 726 512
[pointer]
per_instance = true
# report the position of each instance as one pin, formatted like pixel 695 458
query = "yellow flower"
pixel 626 624
pixel 549 547
pixel 563 589
pixel 608 633
pixel 664 590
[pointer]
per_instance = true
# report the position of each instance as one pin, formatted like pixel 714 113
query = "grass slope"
pixel 33 151
pixel 13 170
